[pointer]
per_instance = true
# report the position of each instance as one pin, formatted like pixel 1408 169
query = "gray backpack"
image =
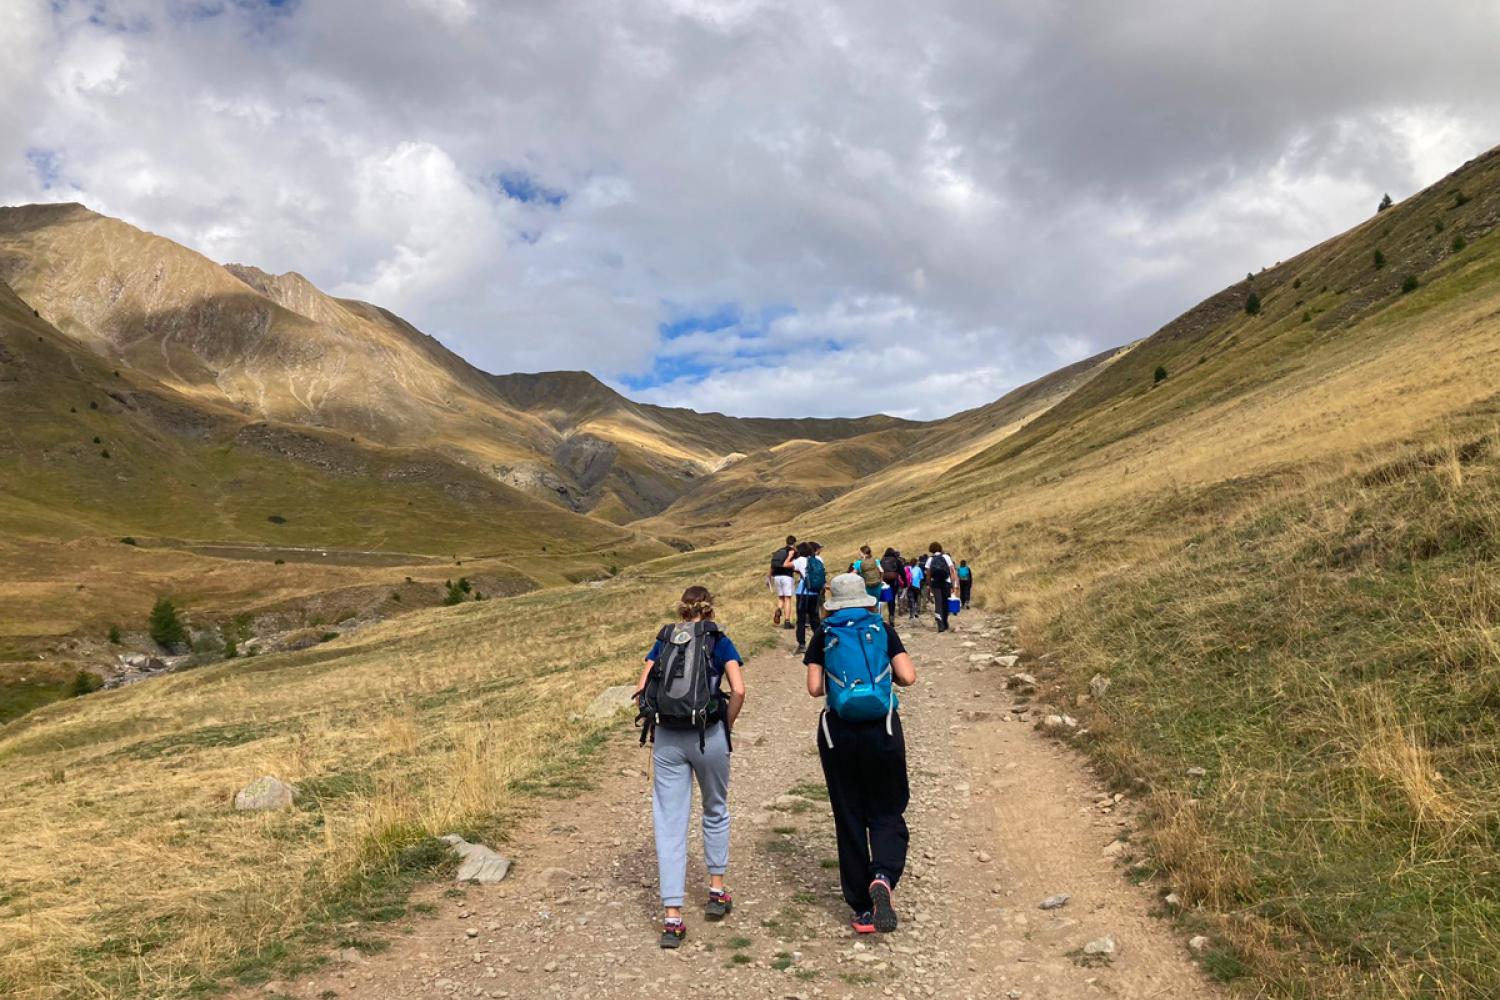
pixel 680 691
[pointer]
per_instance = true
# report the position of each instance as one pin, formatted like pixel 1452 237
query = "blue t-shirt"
pixel 723 652
pixel 916 575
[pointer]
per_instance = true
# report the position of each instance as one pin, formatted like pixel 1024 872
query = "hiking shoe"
pixel 788 626
pixel 885 913
pixel 776 618
pixel 672 933
pixel 719 904
pixel 799 650
pixel 863 923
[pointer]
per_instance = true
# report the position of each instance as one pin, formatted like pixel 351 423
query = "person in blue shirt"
pixel 965 582
pixel 680 755
pixel 914 592
pixel 812 576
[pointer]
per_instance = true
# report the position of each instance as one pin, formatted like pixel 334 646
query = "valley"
pixel 1269 527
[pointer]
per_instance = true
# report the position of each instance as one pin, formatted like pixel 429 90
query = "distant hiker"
pixel 892 580
pixel 941 573
pixel 684 711
pixel 965 582
pixel 783 583
pixel 868 567
pixel 813 578
pixel 914 589
pixel 854 662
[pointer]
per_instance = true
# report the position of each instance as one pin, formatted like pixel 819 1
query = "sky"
pixel 759 207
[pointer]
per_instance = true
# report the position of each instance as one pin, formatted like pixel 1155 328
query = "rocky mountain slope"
pixel 276 348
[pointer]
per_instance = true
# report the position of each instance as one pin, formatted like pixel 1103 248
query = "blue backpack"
pixel 858 671
pixel 816 576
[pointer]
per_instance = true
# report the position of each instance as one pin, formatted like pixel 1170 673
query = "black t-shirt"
pixel 777 558
pixel 815 648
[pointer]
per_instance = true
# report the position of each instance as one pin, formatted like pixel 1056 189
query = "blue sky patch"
pixel 46 165
pixel 518 185
pixel 706 341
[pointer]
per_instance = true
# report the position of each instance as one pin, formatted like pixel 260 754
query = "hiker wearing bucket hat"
pixel 856 662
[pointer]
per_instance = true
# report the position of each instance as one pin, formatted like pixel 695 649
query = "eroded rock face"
pixel 265 793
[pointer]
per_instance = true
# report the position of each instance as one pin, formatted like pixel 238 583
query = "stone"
pixel 1098 684
pixel 1114 849
pixel 263 794
pixel 1173 901
pixel 1197 772
pixel 1007 661
pixel 611 701
pixel 983 857
pixel 1100 946
pixel 1198 943
pixel 1054 902
pixel 1051 722
pixel 984 658
pixel 477 863
pixel 1020 681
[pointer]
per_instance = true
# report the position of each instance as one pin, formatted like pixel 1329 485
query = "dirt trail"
pixel 1001 818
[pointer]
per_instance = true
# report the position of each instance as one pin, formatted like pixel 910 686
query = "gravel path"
pixel 1002 818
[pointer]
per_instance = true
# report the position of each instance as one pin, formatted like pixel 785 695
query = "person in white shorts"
pixel 784 583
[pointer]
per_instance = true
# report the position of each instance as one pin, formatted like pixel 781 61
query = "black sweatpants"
pixel 965 588
pixel 807 617
pixel 941 590
pixel 866 774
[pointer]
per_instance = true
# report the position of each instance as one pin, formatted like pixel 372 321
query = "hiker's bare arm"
pixel 644 674
pixel 815 679
pixel 736 689
pixel 903 671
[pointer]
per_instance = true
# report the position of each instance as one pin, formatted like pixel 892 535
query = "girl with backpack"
pixel 813 578
pixel 965 582
pixel 856 663
pixel 685 712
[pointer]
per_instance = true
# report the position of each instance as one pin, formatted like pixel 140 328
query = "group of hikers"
pixel 855 661
pixel 799 579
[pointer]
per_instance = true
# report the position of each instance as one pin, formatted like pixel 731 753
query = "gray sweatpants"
pixel 675 760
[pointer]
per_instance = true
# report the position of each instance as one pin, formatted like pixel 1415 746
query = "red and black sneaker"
pixel 863 923
pixel 719 904
pixel 673 932
pixel 885 913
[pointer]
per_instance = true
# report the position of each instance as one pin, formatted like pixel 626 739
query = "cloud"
pixel 950 198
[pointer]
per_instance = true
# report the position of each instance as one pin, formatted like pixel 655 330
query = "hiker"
pixel 868 567
pixel 813 577
pixel 853 663
pixel 914 589
pixel 685 713
pixel 892 579
pixel 965 583
pixel 940 573
pixel 782 583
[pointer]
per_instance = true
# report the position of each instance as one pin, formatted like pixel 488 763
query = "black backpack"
pixel 937 568
pixel 778 562
pixel 890 568
pixel 679 693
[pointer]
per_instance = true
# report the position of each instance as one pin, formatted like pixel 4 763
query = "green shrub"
pixel 1460 199
pixel 1160 375
pixel 276 519
pixel 1385 203
pixel 1459 242
pixel 1252 304
pixel 128 540
pixel 114 635
pixel 165 625
pixel 1307 316
pixel 1437 225
pixel 328 636
pixel 280 562
pixel 98 440
pixel 231 647
pixel 104 453
pixel 85 682
pixel 1296 282
pixel 1409 284
pixel 1379 258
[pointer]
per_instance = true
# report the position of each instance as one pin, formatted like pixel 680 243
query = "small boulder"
pixel 477 863
pixel 1100 946
pixel 1054 902
pixel 1197 772
pixel 1172 901
pixel 610 701
pixel 1098 685
pixel 1114 849
pixel 1021 682
pixel 1198 943
pixel 263 794
pixel 1007 662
